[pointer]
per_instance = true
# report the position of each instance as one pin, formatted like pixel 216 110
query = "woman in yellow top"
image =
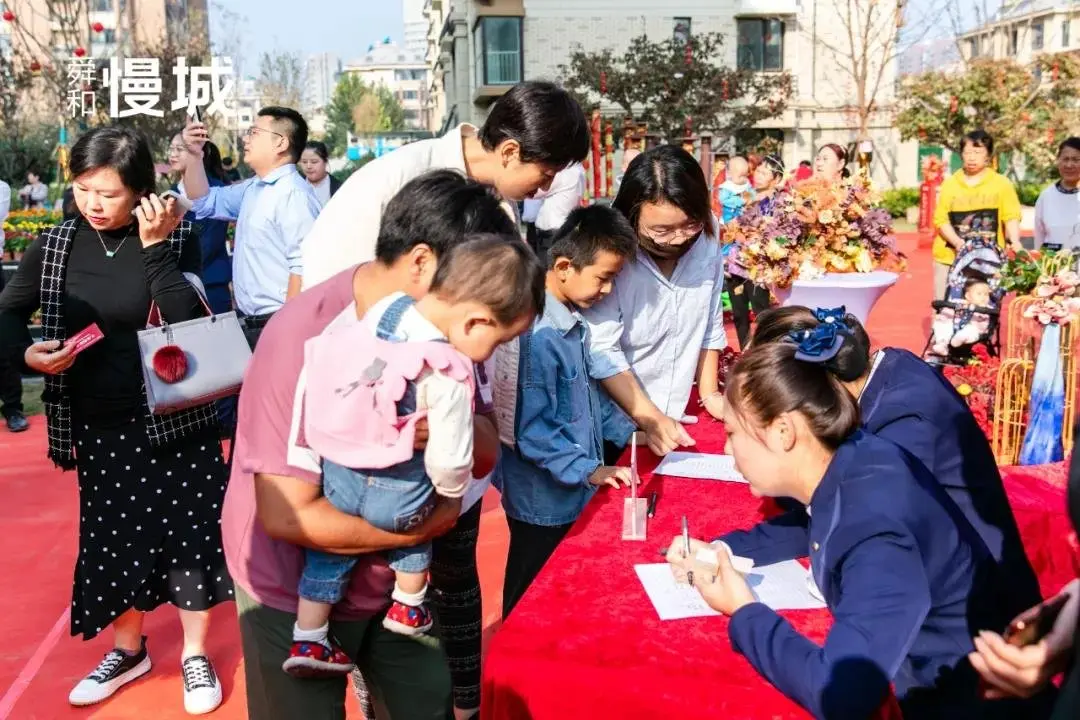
pixel 974 200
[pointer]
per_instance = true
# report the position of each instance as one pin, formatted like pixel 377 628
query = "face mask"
pixel 668 251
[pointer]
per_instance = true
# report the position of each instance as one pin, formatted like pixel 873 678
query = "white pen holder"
pixel 634 518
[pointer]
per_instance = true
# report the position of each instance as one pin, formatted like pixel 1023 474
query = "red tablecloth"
pixel 585 641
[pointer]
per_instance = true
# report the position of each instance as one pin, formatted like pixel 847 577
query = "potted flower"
pixel 823 245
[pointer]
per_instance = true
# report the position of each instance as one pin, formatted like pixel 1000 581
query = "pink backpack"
pixel 355 379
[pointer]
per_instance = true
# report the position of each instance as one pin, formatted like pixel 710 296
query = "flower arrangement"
pixel 933 169
pixel 815 227
pixel 23 226
pixel 976 382
pixel 1056 299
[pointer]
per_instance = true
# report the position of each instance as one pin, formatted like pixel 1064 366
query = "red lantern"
pixel 603 82
pixel 1050 136
pixel 922 133
pixel 725 90
pixel 1026 117
pixel 689 54
pixel 35 66
pixel 9 16
pixel 80 51
pixel 97 27
pixel 1054 73
pixel 689 126
pixel 954 104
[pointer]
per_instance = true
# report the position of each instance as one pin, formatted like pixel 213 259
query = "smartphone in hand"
pixel 182 201
pixel 1035 624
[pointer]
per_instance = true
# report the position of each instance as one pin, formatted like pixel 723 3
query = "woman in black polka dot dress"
pixel 150 488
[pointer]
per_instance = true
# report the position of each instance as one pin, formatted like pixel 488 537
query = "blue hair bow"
pixel 820 344
pixel 832 315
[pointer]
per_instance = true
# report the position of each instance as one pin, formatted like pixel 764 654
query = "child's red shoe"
pixel 313 659
pixel 407 619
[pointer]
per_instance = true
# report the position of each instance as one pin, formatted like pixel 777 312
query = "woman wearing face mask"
pixel 315 165
pixel 667 304
pixel 150 486
pixel 905 576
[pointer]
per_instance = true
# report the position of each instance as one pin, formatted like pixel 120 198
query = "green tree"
pixel 1027 109
pixel 673 84
pixel 361 109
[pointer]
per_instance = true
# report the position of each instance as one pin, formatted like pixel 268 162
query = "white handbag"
pixel 194 362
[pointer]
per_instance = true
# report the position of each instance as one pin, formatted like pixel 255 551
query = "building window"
pixel 682 30
pixel 1037 36
pixel 761 44
pixel 101 6
pixel 108 36
pixel 1014 40
pixel 1065 33
pixel 973 47
pixel 498 50
pixel 409 95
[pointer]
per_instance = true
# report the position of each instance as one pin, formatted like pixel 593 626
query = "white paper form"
pixel 700 465
pixel 781 586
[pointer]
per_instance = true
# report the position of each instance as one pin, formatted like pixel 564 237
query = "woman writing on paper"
pixel 905 401
pixel 905 576
pixel 662 328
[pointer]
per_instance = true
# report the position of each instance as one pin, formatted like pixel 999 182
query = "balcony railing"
pixel 503 67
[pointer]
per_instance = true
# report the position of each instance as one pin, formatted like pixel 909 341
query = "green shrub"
pixel 1028 192
pixel 898 200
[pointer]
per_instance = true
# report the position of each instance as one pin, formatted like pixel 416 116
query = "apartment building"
pixel 404 73
pixel 1023 29
pixel 477 49
pixel 146 21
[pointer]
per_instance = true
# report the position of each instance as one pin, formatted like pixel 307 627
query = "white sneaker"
pixel 114 671
pixel 202 689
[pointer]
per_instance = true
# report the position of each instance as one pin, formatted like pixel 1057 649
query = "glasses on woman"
pixel 176 149
pixel 667 235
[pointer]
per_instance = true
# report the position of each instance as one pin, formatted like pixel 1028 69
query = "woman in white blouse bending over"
pixel 667 304
pixel 1057 211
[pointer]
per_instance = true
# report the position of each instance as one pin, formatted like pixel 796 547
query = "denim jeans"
pixel 396 499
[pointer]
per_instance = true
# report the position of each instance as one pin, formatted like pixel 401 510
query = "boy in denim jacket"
pixel 557 463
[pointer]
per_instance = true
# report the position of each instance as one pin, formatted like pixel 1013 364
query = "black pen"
pixel 652 504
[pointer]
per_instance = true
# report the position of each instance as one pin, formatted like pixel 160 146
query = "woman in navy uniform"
pixel 908 580
pixel 904 400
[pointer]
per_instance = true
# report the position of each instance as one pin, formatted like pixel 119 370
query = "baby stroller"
pixel 970 312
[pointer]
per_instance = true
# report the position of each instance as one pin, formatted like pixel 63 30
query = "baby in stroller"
pixel 969 312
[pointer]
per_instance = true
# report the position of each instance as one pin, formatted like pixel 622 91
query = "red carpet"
pixel 38 521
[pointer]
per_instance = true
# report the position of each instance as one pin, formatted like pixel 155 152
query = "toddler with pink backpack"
pixel 367 383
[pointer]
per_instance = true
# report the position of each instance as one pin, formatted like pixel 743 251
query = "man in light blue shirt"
pixel 273 211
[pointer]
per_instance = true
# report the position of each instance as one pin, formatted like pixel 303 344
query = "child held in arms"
pixel 557 463
pixel 737 191
pixel 369 382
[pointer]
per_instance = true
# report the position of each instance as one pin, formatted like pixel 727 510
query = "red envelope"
pixel 84 338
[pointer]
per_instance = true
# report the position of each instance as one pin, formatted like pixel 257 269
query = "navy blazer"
pixel 913 405
pixel 908 582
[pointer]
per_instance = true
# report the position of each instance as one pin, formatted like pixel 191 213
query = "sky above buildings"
pixel 307 27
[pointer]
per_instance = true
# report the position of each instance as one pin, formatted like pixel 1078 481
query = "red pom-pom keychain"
pixel 170 363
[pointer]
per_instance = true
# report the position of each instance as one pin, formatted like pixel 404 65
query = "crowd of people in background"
pixel 600 330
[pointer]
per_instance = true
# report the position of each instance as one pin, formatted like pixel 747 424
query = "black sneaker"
pixel 114 671
pixel 202 690
pixel 17 422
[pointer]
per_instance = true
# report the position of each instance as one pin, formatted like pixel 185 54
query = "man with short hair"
pixel 274 506
pixel 532 132
pixel 273 211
